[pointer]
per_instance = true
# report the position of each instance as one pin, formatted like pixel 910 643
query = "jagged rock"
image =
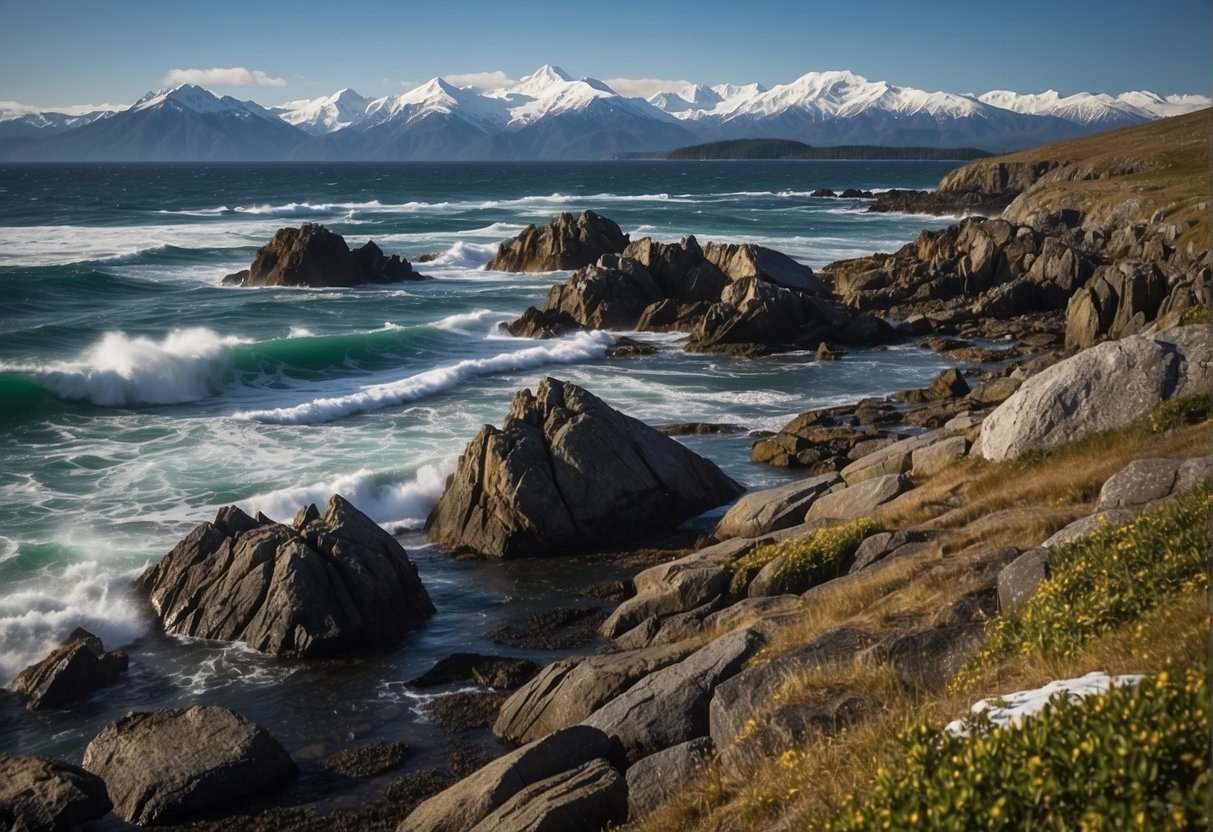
pixel 742 261
pixel 670 706
pixel 566 243
pixel 38 794
pixel 567 473
pixel 567 691
pixel 501 672
pixel 753 313
pixel 609 294
pixel 591 797
pixel 760 512
pixel 1101 388
pixel 460 807
pixel 1140 482
pixel 681 272
pixel 327 583
pixel 658 777
pixel 165 765
pixel 311 255
pixel 859 499
pixel 949 384
pixel 1018 580
pixel 535 323
pixel 1117 300
pixel 72 671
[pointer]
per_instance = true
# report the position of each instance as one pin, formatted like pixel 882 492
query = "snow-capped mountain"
pixel 549 114
pixel 318 116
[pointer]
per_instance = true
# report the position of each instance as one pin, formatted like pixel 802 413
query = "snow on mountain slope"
pixel 436 97
pixel 1097 110
pixel 550 91
pixel 195 99
pixel 1171 105
pixel 324 115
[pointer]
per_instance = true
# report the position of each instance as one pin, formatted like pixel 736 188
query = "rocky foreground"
pixel 815 611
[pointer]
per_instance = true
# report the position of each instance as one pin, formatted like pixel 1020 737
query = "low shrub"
pixel 1183 410
pixel 812 555
pixel 1131 758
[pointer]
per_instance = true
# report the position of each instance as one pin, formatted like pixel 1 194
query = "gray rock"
pixel 72 671
pixel 1085 525
pixel 501 672
pixel 565 473
pixel 748 695
pixel 893 459
pixel 588 798
pixel 742 261
pixel 471 800
pixel 1018 580
pixel 996 391
pixel 1101 388
pixel 1140 482
pixel 38 794
pixel 859 499
pixel 658 777
pixel 790 726
pixel 881 545
pixel 311 255
pixel 684 590
pixel 567 691
pixel 166 765
pixel 327 583
pixel 930 658
pixel 930 460
pixel 760 512
pixel 1192 472
pixel 671 706
pixel 566 243
pixel 610 294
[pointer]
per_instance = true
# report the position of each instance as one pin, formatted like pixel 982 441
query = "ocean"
pixel 137 396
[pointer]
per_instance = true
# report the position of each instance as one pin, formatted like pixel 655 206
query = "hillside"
pixel 757 149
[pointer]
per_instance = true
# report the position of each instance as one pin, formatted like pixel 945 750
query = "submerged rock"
pixel 164 765
pixel 327 583
pixel 566 243
pixel 38 793
pixel 311 255
pixel 77 668
pixel 568 473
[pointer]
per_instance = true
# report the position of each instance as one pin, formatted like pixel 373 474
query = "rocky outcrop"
pixel 467 803
pixel 313 256
pixel 167 765
pixel 1125 298
pixel 324 584
pixel 567 242
pixel 592 796
pixel 754 316
pixel 661 776
pixel 740 261
pixel 500 672
pixel 568 473
pixel 1101 388
pixel 38 794
pixel 772 509
pixel 74 670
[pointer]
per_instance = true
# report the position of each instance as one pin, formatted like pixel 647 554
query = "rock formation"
pixel 79 667
pixel 567 473
pixel 327 583
pixel 165 765
pixel 38 794
pixel 566 243
pixel 311 255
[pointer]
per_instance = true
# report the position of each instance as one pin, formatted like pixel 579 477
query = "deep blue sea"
pixel 137 395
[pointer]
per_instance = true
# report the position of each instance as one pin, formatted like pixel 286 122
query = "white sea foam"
pixel 394 505
pixel 463 321
pixel 584 346
pixel 57 245
pixel 121 370
pixel 463 255
pixel 35 621
pixel 300 332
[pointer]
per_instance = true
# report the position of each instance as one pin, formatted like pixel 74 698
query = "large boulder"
pixel 311 255
pixel 324 584
pixel 565 473
pixel 476 797
pixel 1101 388
pixel 772 509
pixel 566 243
pixel 38 794
pixel 591 797
pixel 661 776
pixel 77 668
pixel 859 499
pixel 166 765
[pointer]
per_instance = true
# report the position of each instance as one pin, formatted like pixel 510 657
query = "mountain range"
pixel 551 115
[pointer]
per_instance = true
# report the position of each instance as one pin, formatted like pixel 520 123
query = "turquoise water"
pixel 137 395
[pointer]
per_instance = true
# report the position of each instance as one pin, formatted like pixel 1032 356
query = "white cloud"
pixel 12 109
pixel 235 76
pixel 644 87
pixel 494 80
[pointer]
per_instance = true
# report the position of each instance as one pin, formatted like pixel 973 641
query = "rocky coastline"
pixel 1105 318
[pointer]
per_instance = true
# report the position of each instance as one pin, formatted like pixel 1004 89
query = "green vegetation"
pixel 1184 410
pixel 752 149
pixel 1131 758
pixel 812 556
pixel 1105 580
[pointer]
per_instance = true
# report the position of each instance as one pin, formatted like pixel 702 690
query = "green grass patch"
pixel 812 554
pixel 1132 758
pixel 1104 580
pixel 1183 410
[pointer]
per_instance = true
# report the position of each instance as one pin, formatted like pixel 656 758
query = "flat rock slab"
pixel 474 798
pixel 1140 482
pixel 762 512
pixel 38 794
pixel 658 777
pixel 590 797
pixel 166 765
pixel 859 499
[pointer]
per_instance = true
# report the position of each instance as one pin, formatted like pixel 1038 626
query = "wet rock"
pixel 466 710
pixel 700 428
pixel 324 584
pixel 166 765
pixel 567 242
pixel 72 671
pixel 38 793
pixel 591 797
pixel 566 473
pixel 472 799
pixel 367 760
pixel 658 777
pixel 560 629
pixel 490 671
pixel 311 255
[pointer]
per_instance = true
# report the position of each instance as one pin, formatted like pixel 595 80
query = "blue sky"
pixel 56 53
